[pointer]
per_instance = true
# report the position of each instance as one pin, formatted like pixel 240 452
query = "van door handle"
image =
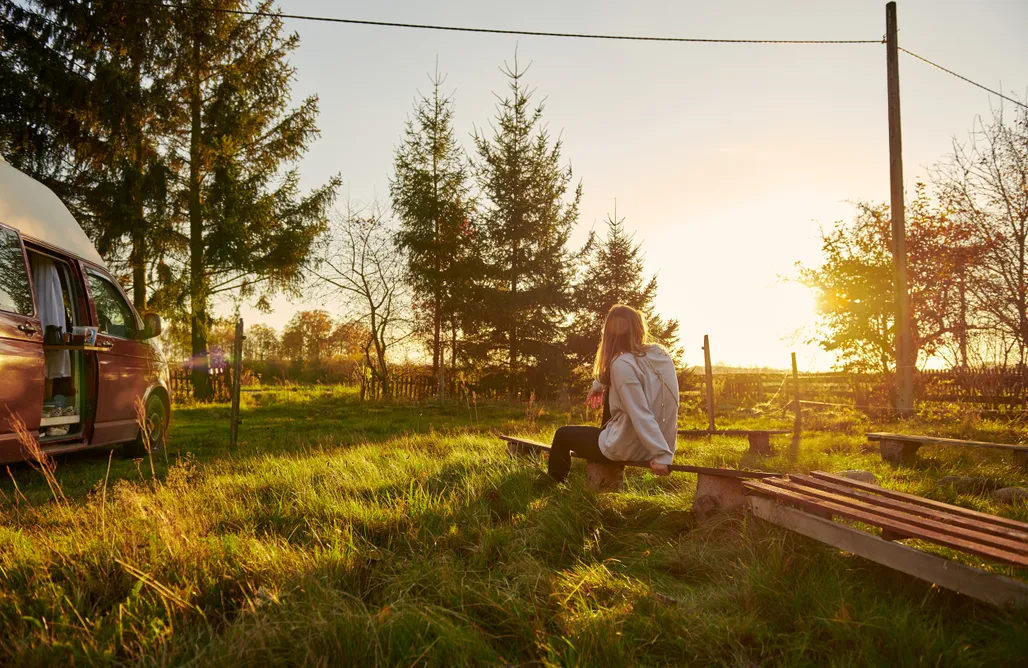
pixel 27 329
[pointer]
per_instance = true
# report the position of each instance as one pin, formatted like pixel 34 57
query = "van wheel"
pixel 154 434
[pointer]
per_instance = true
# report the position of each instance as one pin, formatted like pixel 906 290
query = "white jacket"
pixel 644 408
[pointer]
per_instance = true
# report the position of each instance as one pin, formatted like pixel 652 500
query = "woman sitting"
pixel 637 377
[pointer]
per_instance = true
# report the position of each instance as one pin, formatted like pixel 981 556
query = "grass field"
pixel 343 533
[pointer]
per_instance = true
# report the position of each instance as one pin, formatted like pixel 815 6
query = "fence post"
pixel 709 376
pixel 798 425
pixel 237 381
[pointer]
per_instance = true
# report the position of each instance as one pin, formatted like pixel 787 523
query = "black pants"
pixel 583 441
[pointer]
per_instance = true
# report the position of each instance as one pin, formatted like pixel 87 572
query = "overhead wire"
pixel 963 78
pixel 546 33
pixel 492 31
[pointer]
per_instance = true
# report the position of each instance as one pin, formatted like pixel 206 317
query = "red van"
pixel 76 359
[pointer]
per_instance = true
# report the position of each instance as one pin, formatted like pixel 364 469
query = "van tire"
pixel 156 424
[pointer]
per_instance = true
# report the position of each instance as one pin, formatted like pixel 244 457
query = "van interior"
pixel 59 306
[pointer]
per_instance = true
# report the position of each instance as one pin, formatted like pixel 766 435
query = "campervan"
pixel 79 368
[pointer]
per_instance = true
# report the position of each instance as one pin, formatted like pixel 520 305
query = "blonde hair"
pixel 623 332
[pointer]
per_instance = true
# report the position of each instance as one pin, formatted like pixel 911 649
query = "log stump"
pixel 760 442
pixel 601 477
pixel 897 452
pixel 717 494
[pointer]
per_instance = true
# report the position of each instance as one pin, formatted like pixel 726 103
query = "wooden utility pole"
pixel 904 338
pixel 237 382
pixel 709 377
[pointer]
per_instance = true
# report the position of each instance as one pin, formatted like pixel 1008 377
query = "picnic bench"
pixel 810 504
pixel 716 489
pixel 900 448
pixel 760 439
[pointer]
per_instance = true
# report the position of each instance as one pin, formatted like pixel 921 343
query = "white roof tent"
pixel 39 215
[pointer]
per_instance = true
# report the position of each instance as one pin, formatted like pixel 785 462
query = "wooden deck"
pixel 808 504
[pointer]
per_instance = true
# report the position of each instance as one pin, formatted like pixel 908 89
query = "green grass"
pixel 343 533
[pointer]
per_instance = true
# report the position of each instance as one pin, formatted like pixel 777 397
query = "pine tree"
pixel 429 192
pixel 526 225
pixel 88 105
pixel 250 231
pixel 614 273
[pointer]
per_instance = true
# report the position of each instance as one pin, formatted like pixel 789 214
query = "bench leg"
pixel 716 494
pixel 760 444
pixel 604 477
pixel 897 452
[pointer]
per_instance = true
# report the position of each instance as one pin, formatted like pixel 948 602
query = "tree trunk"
pixel 963 319
pixel 197 279
pixel 138 253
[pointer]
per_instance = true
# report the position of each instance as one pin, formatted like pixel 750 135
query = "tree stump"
pixel 760 442
pixel 897 452
pixel 601 477
pixel 716 494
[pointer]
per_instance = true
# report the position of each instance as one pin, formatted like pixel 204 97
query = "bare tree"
pixel 361 266
pixel 985 184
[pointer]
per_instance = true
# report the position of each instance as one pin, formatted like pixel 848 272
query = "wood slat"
pixel 982 538
pixel 913 509
pixel 922 501
pixel 811 503
pixel 983 586
pixel 730 432
pixel 938 440
pixel 679 468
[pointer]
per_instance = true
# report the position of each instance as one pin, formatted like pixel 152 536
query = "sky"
pixel 725 160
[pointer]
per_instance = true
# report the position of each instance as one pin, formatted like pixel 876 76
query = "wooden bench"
pixel 808 504
pixel 760 439
pixel 717 489
pixel 900 448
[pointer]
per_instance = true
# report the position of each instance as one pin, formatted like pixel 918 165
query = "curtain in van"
pixel 50 302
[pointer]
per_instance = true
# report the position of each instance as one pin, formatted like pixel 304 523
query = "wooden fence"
pixel 182 383
pixel 990 389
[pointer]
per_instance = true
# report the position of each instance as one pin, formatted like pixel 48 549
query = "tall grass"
pixel 351 534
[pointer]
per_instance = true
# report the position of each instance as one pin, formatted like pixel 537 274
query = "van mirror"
pixel 152 326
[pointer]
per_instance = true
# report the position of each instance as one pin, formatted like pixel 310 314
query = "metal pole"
pixel 709 376
pixel 904 339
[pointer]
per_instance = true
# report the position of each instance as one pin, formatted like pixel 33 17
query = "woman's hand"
pixel 595 398
pixel 659 469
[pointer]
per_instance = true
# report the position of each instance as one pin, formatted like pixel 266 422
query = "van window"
pixel 113 312
pixel 15 293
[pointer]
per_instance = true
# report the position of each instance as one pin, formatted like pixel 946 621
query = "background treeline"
pixel 170 134
pixel 967 246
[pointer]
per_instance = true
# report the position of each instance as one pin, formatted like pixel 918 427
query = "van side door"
pixel 126 365
pixel 21 347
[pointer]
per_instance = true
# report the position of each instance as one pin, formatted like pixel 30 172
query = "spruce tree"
pixel 614 273
pixel 526 223
pixel 87 106
pixel 429 192
pixel 250 230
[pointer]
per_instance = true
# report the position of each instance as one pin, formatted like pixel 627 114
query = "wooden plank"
pixel 679 468
pixel 938 440
pixel 920 500
pixel 942 527
pixel 808 502
pixel 730 432
pixel 978 584
pixel 938 514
